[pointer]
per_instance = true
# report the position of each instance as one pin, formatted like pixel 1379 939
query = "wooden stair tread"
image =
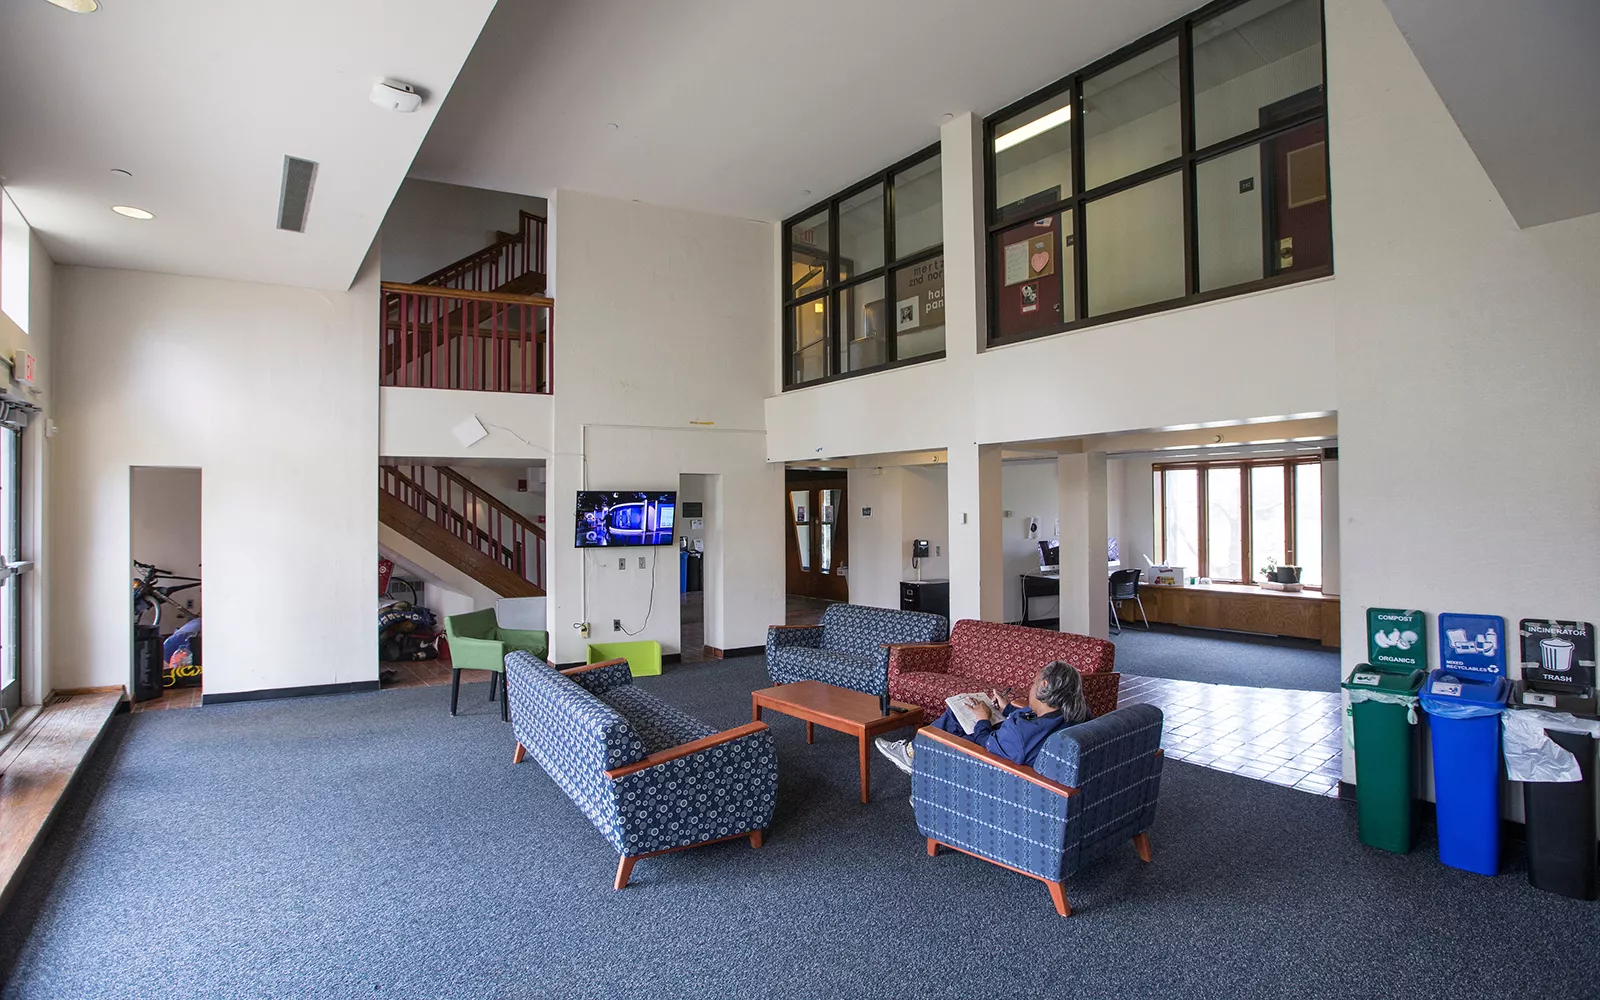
pixel 38 768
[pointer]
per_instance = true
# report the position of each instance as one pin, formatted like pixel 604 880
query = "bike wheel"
pixel 395 585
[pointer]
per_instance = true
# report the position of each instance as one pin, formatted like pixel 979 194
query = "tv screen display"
pixel 625 517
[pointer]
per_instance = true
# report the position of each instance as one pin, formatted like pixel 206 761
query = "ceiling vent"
pixel 294 200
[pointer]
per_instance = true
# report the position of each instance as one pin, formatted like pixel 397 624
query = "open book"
pixel 974 707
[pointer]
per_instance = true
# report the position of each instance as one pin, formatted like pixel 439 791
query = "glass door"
pixel 12 569
pixel 817 543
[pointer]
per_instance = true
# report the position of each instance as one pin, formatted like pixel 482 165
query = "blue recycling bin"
pixel 1464 716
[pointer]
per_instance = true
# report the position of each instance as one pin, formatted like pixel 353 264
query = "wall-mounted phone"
pixel 919 551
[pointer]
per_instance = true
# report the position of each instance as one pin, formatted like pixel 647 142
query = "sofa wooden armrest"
pixel 685 749
pixel 571 671
pixel 1011 767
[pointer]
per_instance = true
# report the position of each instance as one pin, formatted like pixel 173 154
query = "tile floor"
pixel 1292 738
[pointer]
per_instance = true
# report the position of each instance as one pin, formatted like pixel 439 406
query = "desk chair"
pixel 1124 586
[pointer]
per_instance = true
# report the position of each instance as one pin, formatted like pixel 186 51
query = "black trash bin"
pixel 147 680
pixel 1561 826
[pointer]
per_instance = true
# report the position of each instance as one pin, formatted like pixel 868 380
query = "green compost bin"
pixel 1383 706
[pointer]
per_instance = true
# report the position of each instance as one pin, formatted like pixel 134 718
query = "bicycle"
pixel 155 589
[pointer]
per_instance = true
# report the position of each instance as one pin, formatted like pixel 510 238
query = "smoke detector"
pixel 392 95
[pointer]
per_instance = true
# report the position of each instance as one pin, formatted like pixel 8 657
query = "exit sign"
pixel 22 369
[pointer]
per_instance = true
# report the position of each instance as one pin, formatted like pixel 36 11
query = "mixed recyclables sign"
pixel 1472 646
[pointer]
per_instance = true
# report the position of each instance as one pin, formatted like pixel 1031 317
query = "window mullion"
pixel 1204 555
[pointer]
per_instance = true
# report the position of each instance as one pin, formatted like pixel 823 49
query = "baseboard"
pixel 724 654
pixel 269 694
pixel 671 658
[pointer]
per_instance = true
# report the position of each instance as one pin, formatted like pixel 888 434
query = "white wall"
pixel 271 392
pixel 36 508
pixel 430 225
pixel 925 513
pixel 665 350
pixel 1478 354
pixel 1027 489
pixel 165 525
pixel 419 423
pixel 877 543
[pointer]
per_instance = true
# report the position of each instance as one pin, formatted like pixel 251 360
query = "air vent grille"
pixel 294 200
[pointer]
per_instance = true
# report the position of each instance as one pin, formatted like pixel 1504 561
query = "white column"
pixel 1330 526
pixel 1082 482
pixel 977 555
pixel 977 564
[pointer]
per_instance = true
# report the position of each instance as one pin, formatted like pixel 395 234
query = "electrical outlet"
pixel 938 550
pixel 641 562
pixel 582 627
pixel 616 624
pixel 189 604
pixel 622 562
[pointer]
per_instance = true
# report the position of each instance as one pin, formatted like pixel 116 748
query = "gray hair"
pixel 1061 687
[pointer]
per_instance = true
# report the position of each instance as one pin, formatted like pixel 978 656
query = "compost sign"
pixel 1397 640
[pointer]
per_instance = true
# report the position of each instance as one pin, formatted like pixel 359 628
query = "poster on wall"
pixel 923 308
pixel 1397 640
pixel 1557 655
pixel 1472 645
pixel 1030 283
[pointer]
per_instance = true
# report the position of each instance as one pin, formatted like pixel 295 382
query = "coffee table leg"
pixel 866 778
pixel 810 730
pixel 755 710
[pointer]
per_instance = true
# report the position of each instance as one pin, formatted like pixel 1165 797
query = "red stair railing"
pixel 462 508
pixel 436 338
pixel 500 263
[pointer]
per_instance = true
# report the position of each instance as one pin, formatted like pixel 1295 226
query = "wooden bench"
pixel 36 770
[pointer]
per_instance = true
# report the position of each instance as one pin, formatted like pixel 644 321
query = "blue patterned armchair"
pixel 1093 787
pixel 650 778
pixel 850 648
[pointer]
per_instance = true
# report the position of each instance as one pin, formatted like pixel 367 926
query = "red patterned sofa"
pixel 983 655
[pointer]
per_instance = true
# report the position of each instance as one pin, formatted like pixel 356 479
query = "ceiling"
pixel 200 102
pixel 752 108
pixel 1520 79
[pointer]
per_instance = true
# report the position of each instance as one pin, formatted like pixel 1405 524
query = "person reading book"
pixel 1014 731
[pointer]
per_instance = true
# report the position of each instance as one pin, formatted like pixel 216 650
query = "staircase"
pixel 460 523
pixel 481 323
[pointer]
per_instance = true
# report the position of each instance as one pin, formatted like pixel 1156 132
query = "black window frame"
pixel 833 285
pixel 1186 164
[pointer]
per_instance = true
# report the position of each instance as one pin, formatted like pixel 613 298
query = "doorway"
pixel 165 625
pixel 818 542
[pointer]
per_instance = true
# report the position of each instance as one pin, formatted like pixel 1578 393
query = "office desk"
pixel 1038 585
pixel 1303 614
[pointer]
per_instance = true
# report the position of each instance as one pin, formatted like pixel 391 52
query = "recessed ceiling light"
pixel 77 6
pixel 131 212
pixel 948 116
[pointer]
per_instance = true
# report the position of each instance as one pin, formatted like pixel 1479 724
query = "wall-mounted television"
pixel 625 517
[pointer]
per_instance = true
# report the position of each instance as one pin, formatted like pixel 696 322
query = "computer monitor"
pixel 1050 555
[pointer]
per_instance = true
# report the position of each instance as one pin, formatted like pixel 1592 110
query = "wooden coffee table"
pixel 840 709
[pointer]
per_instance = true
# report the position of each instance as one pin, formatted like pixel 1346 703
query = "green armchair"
pixel 477 642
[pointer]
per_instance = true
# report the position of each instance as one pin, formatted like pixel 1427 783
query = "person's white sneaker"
pixel 898 752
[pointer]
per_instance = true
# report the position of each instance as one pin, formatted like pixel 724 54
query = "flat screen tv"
pixel 625 517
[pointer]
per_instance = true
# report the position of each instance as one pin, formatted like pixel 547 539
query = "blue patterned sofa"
pixel 850 648
pixel 1093 787
pixel 649 777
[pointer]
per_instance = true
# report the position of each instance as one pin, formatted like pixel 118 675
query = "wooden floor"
pixel 36 770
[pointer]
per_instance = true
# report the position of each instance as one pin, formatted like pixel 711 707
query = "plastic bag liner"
pixel 1531 755
pixel 1450 708
pixel 1358 695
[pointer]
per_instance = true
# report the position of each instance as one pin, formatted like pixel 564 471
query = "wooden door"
pixel 1296 224
pixel 818 536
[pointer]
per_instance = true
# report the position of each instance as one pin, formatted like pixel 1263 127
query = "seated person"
pixel 1055 699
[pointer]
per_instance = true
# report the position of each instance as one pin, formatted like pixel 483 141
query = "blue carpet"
pixel 369 845
pixel 1191 654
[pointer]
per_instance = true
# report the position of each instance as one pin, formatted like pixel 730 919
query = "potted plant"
pixel 1270 570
